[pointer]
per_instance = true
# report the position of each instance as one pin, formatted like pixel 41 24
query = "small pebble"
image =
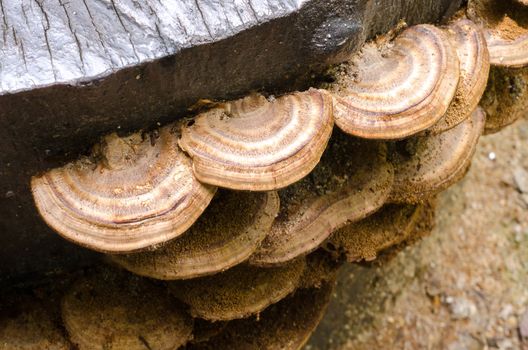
pixel 492 156
pixel 462 308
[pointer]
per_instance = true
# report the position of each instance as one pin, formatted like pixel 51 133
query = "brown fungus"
pixel 110 310
pixel 286 325
pixel 473 55
pixel 228 232
pixel 27 323
pixel 506 97
pixel 430 164
pixel 131 194
pixel 506 28
pixel 239 292
pixel 352 180
pixel 258 144
pixel 363 240
pixel 394 89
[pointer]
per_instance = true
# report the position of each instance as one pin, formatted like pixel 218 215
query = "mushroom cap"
pixel 392 90
pixel 239 292
pixel 260 145
pixel 506 98
pixel 204 330
pixel 523 2
pixel 506 30
pixel 436 162
pixel 363 240
pixel 352 181
pixel 139 193
pixel 473 55
pixel 26 323
pixel 321 267
pixel 286 325
pixel 228 232
pixel 109 310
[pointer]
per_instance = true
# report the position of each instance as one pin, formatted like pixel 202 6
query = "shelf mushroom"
pixel 430 164
pixel 133 193
pixel 352 180
pixel 470 43
pixel 228 232
pixel 365 239
pixel 394 89
pixel 111 310
pixel 506 98
pixel 504 23
pixel 27 323
pixel 239 292
pixel 259 144
pixel 286 325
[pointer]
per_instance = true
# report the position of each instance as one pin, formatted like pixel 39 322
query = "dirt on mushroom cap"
pixel 426 165
pixel 286 325
pixel 473 55
pixel 112 310
pixel 239 292
pixel 228 232
pixel 506 97
pixel 392 90
pixel 131 194
pixel 505 24
pixel 352 180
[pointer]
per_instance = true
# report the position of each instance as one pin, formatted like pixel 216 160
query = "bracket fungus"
pixel 473 55
pixel 258 144
pixel 228 232
pixel 506 97
pixel 365 239
pixel 27 323
pixel 430 164
pixel 352 180
pixel 239 292
pixel 394 89
pixel 109 310
pixel 133 193
pixel 505 23
pixel 286 325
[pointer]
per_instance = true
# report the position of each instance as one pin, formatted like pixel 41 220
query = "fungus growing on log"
pixel 239 292
pixel 27 323
pixel 352 181
pixel 389 226
pixel 258 144
pixel 506 29
pixel 394 89
pixel 228 232
pixel 473 55
pixel 427 165
pixel 109 310
pixel 286 325
pixel 506 97
pixel 133 193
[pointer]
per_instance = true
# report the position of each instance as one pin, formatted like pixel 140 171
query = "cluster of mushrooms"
pixel 233 223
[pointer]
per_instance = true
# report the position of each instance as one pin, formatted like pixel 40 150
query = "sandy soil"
pixel 463 287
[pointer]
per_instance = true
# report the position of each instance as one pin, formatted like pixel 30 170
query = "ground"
pixel 463 287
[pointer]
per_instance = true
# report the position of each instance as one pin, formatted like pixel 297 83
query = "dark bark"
pixel 72 70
